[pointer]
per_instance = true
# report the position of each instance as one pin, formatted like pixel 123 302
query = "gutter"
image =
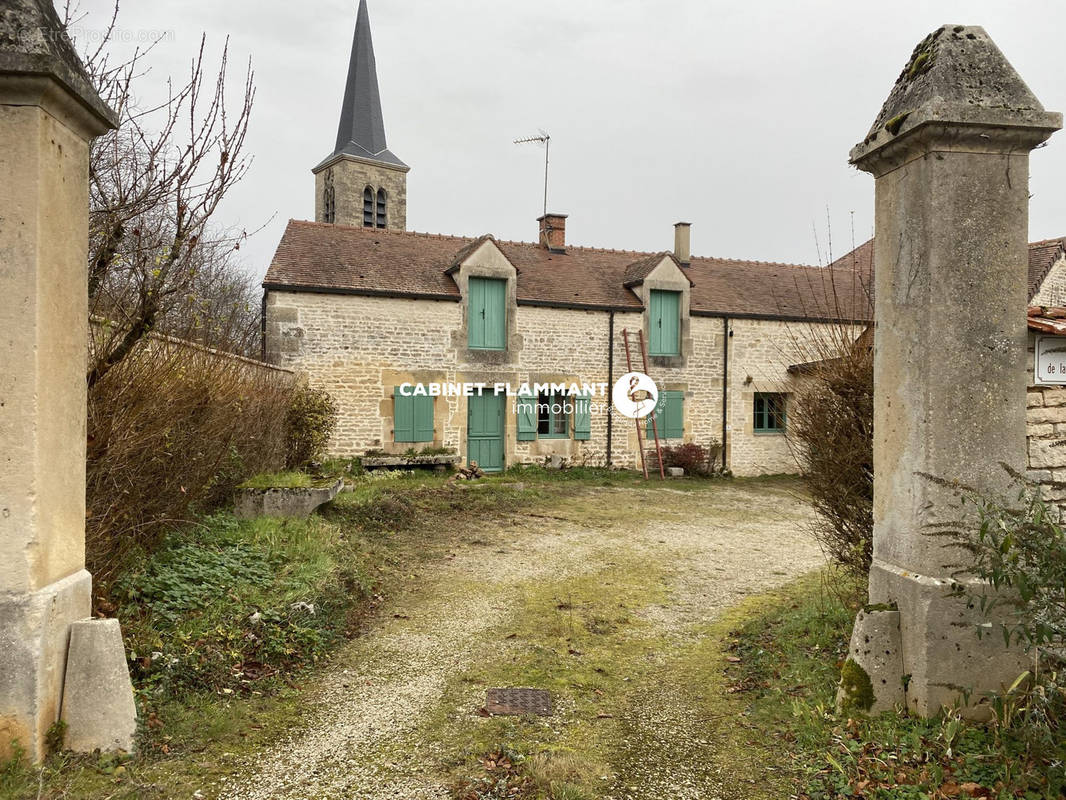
pixel 726 333
pixel 455 298
pixel 610 382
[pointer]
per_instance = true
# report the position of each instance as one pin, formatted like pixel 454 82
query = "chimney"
pixel 682 246
pixel 553 232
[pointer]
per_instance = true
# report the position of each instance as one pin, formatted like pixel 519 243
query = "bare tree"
pixel 155 256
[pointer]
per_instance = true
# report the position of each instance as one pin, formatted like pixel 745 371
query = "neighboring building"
pixel 364 306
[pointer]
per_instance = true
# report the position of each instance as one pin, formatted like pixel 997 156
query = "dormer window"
pixel 381 219
pixel 368 207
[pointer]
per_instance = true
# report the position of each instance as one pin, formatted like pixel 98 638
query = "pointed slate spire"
pixel 361 132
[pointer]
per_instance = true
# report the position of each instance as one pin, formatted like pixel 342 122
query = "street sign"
pixel 1049 369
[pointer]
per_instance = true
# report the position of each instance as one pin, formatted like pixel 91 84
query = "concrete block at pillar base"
pixel 873 682
pixel 98 702
pixel 675 472
pixel 34 631
pixel 946 662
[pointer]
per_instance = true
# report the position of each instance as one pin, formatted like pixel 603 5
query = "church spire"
pixel 361 132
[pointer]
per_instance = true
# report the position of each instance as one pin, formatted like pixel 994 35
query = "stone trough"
pixel 284 502
pixel 440 463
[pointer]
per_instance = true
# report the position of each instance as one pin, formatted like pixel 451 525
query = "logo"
pixel 635 395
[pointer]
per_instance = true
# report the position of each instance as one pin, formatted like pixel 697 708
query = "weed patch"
pixel 785 659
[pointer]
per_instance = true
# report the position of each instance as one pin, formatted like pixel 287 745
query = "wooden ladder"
pixel 654 424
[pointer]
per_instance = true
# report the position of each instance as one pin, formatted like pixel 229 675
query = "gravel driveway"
pixel 368 735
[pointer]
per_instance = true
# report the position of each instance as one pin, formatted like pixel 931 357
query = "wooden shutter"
pixel 403 417
pixel 582 417
pixel 674 416
pixel 655 323
pixel 487 313
pixel 669 415
pixel 526 410
pixel 665 323
pixel 423 419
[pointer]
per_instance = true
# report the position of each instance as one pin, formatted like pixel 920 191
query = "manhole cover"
pixel 519 701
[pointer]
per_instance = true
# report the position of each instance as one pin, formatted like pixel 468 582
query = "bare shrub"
pixel 158 259
pixel 695 459
pixel 830 429
pixel 172 429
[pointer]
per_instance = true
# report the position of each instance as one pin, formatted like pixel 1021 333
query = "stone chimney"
pixel 682 242
pixel 553 232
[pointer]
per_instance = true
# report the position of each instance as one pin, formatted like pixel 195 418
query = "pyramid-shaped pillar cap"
pixel 957 83
pixel 34 47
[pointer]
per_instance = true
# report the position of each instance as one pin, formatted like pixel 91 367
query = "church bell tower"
pixel 362 183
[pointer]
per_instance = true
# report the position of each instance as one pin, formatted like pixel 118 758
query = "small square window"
pixel 553 415
pixel 770 414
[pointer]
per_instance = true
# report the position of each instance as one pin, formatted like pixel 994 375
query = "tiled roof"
pixel 322 257
pixel 1046 319
pixel 1042 256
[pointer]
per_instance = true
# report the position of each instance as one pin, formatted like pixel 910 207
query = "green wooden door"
pixel 484 438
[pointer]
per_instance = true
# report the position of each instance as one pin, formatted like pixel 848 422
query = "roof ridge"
pixel 1060 240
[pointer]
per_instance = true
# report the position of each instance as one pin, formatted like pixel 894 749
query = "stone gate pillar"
pixel 950 153
pixel 48 114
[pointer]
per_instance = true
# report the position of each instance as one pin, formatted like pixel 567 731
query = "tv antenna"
pixel 545 139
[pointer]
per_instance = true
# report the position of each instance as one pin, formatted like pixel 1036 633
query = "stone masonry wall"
pixel 1045 418
pixel 760 352
pixel 360 348
pixel 350 178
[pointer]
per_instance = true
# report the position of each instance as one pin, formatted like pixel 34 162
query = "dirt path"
pixel 399 710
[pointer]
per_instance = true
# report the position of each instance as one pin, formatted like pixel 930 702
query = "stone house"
pixel 369 310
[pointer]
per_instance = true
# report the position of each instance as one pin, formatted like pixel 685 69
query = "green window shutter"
pixel 582 417
pixel 403 417
pixel 669 416
pixel 664 323
pixel 487 314
pixel 674 416
pixel 475 312
pixel 423 419
pixel 655 322
pixel 526 409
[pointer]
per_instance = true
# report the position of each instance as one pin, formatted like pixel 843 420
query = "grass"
pixel 785 656
pixel 220 633
pixel 239 679
pixel 577 637
pixel 291 479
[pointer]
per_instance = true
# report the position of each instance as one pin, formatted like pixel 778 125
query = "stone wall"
pixel 1045 418
pixel 350 177
pixel 360 348
pixel 760 353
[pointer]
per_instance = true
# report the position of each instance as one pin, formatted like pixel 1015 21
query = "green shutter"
pixel 669 416
pixel 487 313
pixel 526 409
pixel 674 418
pixel 664 323
pixel 655 322
pixel 582 417
pixel 403 417
pixel 423 419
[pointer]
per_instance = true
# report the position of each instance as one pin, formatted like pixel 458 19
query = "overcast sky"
pixel 735 116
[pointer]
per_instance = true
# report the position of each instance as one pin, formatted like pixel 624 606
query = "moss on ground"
pixel 369 544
